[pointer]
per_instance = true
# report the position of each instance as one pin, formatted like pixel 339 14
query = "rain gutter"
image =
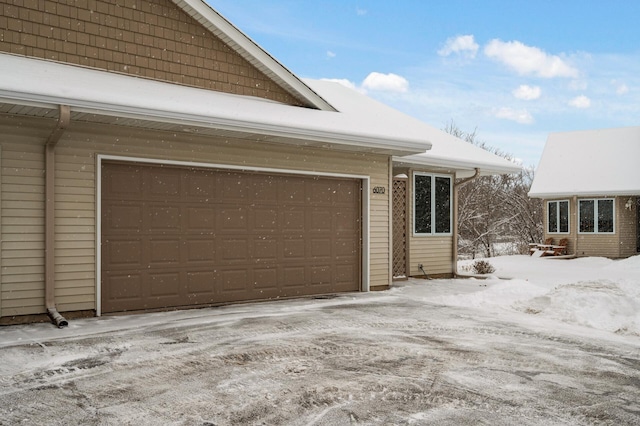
pixel 49 212
pixel 457 185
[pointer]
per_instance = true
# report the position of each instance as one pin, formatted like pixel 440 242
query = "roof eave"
pixel 485 169
pixel 582 194
pixel 362 142
pixel 252 52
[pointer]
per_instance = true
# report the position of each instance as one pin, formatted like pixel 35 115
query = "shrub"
pixel 483 267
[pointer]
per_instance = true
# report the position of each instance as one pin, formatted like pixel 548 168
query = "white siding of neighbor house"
pixel 22 198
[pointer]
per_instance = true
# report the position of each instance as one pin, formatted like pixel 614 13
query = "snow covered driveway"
pixel 398 357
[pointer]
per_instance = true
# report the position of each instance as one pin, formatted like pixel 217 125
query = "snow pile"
pixel 595 292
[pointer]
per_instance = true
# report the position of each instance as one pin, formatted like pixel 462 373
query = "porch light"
pixel 629 204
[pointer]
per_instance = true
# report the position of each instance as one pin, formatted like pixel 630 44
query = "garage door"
pixel 177 237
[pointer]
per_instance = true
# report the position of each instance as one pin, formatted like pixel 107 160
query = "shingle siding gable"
pixel 149 39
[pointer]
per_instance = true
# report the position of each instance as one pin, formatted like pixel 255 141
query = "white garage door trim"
pixel 364 285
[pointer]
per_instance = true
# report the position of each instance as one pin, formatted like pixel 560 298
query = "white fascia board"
pixel 187 120
pixel 584 194
pixel 485 168
pixel 257 56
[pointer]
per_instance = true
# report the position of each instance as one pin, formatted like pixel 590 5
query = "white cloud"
pixel 464 45
pixel 621 88
pixel 527 93
pixel 361 12
pixel 528 60
pixel 330 54
pixel 385 82
pixel 581 102
pixel 519 116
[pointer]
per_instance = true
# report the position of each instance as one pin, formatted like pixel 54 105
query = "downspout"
pixel 575 225
pixel 456 185
pixel 49 213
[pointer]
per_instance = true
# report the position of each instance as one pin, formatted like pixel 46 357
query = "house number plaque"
pixel 379 189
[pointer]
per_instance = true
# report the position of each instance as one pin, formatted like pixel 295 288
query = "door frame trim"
pixel 365 206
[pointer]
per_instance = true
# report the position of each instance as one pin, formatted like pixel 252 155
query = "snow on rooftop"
pixel 30 81
pixel 446 150
pixel 589 163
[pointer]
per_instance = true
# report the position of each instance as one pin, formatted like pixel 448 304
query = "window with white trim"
pixel 596 216
pixel 558 217
pixel 431 204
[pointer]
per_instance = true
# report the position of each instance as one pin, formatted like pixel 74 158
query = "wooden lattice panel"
pixel 400 228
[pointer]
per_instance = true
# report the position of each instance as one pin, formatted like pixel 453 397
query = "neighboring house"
pixel 154 157
pixel 590 184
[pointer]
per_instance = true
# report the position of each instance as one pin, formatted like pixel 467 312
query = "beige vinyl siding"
pixel 598 245
pixel 22 218
pixel 626 227
pixel 434 252
pixel 76 159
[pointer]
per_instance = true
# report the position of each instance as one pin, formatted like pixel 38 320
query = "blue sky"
pixel 514 71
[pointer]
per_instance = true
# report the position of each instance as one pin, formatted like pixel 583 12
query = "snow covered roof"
pixel 589 163
pixel 447 151
pixel 453 154
pixel 252 52
pixel 376 128
pixel 357 121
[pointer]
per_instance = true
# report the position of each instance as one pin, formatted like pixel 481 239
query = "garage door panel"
pixel 124 183
pixel 294 248
pixel 161 217
pixel 319 248
pixel 319 192
pixel 345 249
pixel 265 190
pixel 199 251
pixel 265 279
pixel 124 287
pixel 234 250
pixel 124 253
pixel 265 218
pixel 294 219
pixel 265 248
pixel 232 187
pixel 294 277
pixel 319 220
pixel 163 183
pixel 201 283
pixel 200 186
pixel 193 236
pixel 232 219
pixel 123 217
pixel 164 284
pixel 165 252
pixel 199 219
pixel 234 281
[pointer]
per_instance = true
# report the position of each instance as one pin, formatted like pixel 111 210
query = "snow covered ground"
pixel 595 292
pixel 558 342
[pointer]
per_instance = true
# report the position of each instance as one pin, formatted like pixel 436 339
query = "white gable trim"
pixel 253 53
